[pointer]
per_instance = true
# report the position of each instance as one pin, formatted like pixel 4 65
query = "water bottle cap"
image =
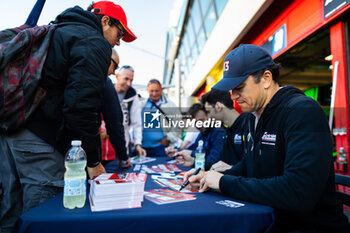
pixel 76 143
pixel 200 143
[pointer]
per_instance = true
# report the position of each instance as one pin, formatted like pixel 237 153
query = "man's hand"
pixel 220 166
pixel 184 158
pixel 194 180
pixel 125 163
pixel 96 171
pixel 170 151
pixel 164 141
pixel 210 180
pixel 140 151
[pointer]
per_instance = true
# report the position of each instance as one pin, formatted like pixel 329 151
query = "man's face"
pixel 210 109
pixel 249 95
pixel 201 116
pixel 112 67
pixel 125 78
pixel 154 91
pixel 111 32
pixel 212 112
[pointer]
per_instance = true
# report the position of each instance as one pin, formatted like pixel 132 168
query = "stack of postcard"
pixel 166 196
pixel 111 191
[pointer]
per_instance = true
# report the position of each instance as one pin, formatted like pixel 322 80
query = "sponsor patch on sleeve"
pixel 237 139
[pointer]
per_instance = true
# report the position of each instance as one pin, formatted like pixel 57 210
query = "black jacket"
pixel 288 165
pixel 113 116
pixel 233 147
pixel 74 75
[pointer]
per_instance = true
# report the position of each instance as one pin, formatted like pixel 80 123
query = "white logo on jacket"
pixel 268 139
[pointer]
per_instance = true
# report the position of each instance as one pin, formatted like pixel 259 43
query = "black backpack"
pixel 23 52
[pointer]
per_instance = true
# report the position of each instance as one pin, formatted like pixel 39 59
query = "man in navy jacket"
pixel 287 161
pixel 219 105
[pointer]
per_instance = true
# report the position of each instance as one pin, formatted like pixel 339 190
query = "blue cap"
pixel 242 62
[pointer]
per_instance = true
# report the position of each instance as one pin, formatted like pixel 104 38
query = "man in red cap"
pixel 74 76
pixel 112 14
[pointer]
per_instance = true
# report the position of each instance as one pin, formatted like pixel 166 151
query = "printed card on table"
pixel 141 160
pixel 161 168
pixel 165 196
pixel 175 185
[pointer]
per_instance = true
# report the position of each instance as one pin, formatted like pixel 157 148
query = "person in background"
pixel 287 161
pixel 212 138
pixel 112 129
pixel 131 107
pixel 190 135
pixel 219 105
pixel 74 76
pixel 157 113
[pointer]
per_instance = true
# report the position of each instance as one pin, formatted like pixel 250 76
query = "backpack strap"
pixel 161 111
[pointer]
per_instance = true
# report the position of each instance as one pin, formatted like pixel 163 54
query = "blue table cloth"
pixel 200 215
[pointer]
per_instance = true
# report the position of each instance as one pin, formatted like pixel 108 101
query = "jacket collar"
pixel 78 15
pixel 281 96
pixel 130 93
pixel 163 100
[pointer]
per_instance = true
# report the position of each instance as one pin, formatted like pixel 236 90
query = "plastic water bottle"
pixel 199 161
pixel 74 194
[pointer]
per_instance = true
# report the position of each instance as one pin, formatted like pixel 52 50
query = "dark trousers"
pixel 31 172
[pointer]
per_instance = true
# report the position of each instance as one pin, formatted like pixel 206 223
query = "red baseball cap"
pixel 116 12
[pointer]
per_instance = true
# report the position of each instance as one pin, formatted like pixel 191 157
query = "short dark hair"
pixel 154 81
pixel 274 69
pixel 195 108
pixel 127 67
pixel 99 16
pixel 214 96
